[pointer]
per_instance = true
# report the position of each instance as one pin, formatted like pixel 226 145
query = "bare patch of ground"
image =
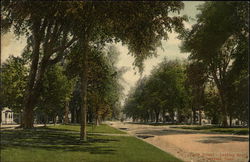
pixel 191 145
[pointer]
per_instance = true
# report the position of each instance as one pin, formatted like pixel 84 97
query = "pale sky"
pixel 11 46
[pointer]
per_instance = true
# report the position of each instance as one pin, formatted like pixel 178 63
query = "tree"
pixel 162 92
pixel 48 40
pixel 14 78
pixel 212 104
pixel 196 81
pixel 140 25
pixel 172 76
pixel 103 82
pixel 56 93
pixel 213 40
pixel 134 104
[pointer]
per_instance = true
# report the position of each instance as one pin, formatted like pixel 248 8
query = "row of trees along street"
pixel 64 65
pixel 215 78
pixel 60 88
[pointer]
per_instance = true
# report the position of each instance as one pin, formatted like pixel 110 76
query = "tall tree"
pixel 48 38
pixel 220 28
pixel 196 81
pixel 162 92
pixel 56 93
pixel 140 25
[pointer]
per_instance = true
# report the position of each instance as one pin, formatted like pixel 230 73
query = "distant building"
pixel 204 119
pixel 7 116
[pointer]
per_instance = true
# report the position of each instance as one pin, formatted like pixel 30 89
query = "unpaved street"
pixel 190 145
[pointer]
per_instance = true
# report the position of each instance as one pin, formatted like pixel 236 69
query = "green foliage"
pixel 212 105
pixel 52 28
pixel 195 85
pixel 163 91
pixel 104 89
pixel 14 78
pixel 57 90
pixel 140 25
pixel 218 41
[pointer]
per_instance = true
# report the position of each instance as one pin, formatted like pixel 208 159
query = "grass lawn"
pixel 239 131
pixel 60 144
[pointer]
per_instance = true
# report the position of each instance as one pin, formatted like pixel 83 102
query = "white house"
pixel 7 116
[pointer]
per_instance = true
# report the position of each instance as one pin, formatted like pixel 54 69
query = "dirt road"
pixel 190 145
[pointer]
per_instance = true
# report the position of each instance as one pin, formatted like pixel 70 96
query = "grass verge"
pixel 51 145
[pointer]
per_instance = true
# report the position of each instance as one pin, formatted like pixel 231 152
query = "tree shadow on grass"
pixel 60 130
pixel 48 139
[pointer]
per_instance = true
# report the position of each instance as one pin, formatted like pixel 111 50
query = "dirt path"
pixel 190 145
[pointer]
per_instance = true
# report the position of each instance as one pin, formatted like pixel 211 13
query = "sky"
pixel 12 46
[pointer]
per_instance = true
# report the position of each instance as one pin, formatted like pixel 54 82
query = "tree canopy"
pixel 53 28
pixel 218 40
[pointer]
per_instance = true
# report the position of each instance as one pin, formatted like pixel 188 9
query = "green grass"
pixel 239 131
pixel 51 145
pixel 103 128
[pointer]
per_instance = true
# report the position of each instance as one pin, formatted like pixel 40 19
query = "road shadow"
pixel 165 132
pixel 48 139
pixel 223 139
pixel 144 136
pixel 155 124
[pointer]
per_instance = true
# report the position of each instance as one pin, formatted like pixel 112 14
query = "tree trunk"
pixel 21 118
pixel 97 116
pixel 73 116
pixel 178 116
pixel 29 99
pixel 172 114
pixel 29 104
pixel 54 120
pixel 78 114
pixel 151 117
pixel 163 116
pixel 66 113
pixel 28 113
pixel 84 81
pixel 45 120
pixel 200 117
pixel 32 95
pixel 194 115
pixel 1 79
pixel 230 120
pixel 221 88
pixel 224 112
pixel 156 117
pixel 97 120
pixel 0 117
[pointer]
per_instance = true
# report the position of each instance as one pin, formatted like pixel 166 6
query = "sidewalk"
pixel 8 126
